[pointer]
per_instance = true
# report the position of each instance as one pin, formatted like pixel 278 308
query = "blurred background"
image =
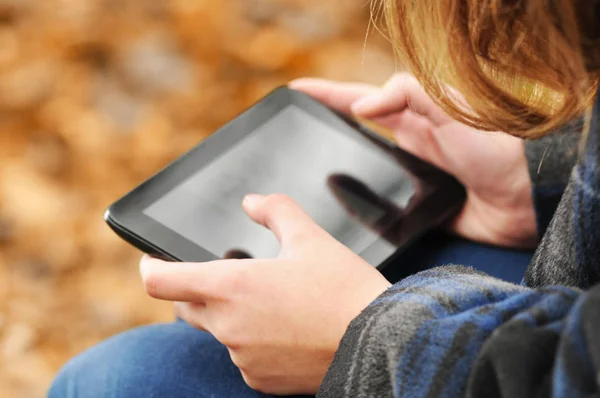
pixel 97 95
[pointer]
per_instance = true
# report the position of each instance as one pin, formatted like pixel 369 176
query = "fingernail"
pixel 366 104
pixel 145 264
pixel 294 84
pixel 300 82
pixel 251 201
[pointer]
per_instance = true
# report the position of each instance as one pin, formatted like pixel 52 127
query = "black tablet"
pixel 365 191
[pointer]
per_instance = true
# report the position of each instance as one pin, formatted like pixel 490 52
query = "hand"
pixel 492 166
pixel 281 319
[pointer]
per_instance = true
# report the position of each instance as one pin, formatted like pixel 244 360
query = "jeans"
pixel 175 360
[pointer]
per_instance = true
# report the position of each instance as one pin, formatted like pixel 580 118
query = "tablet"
pixel 366 192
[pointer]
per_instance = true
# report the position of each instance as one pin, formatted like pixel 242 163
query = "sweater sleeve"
pixel 454 332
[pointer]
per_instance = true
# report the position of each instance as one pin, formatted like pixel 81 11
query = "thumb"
pixel 282 216
pixel 402 92
pixel 337 95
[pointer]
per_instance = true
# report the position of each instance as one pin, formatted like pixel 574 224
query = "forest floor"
pixel 95 96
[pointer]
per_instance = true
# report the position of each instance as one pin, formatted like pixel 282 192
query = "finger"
pixel 188 282
pixel 404 123
pixel 282 216
pixel 400 93
pixel 193 313
pixel 337 95
pixel 414 134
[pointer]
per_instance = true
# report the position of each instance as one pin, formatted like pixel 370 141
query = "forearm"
pixel 390 346
pixel 452 332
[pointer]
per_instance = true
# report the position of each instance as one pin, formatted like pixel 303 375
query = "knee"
pixel 65 383
pixel 90 375
pixel 138 363
pixel 104 371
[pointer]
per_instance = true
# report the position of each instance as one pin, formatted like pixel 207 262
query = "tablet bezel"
pixel 127 217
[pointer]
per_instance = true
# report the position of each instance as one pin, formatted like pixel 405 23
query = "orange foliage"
pixel 95 96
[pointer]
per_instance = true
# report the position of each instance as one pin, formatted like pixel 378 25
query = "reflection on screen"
pixel 294 153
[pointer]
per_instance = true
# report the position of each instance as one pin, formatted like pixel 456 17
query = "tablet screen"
pixel 293 153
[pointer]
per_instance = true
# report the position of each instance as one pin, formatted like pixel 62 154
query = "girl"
pixel 320 320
